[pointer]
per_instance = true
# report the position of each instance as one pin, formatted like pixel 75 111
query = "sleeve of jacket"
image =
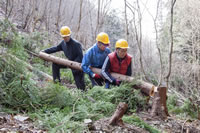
pixel 86 62
pixel 53 49
pixel 105 70
pixel 129 70
pixel 79 53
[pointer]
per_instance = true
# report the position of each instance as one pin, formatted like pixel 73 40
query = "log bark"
pixel 116 118
pixel 146 88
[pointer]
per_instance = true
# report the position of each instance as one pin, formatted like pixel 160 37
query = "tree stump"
pixel 116 118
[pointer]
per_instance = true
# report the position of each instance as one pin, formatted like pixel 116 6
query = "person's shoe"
pixel 56 81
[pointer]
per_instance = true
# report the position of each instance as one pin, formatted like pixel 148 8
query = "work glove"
pixel 116 82
pixel 96 76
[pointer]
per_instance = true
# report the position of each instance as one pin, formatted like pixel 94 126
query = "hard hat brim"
pixel 66 35
pixel 122 47
pixel 103 42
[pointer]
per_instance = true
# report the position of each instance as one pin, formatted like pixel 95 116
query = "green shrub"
pixel 172 102
pixel 124 93
pixel 140 123
pixel 18 89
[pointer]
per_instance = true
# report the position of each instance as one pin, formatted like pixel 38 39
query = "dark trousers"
pixel 78 75
pixel 95 82
pixel 107 86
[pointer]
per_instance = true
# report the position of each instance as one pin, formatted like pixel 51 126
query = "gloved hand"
pixel 116 82
pixel 96 76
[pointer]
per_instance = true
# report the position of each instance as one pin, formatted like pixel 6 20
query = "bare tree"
pixel 102 11
pixel 9 8
pixel 137 24
pixel 172 43
pixel 80 17
pixel 126 20
pixel 98 15
pixel 58 15
pixel 156 38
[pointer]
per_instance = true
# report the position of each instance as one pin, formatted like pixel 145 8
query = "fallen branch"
pixel 32 69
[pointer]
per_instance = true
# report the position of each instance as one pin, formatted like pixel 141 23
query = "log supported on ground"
pixel 146 88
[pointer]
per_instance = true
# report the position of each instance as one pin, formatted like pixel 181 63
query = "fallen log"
pixel 146 88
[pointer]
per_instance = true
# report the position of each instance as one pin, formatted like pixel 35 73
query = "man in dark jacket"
pixel 118 61
pixel 73 51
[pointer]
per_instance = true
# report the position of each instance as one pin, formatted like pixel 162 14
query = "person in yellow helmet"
pixel 95 56
pixel 73 51
pixel 118 61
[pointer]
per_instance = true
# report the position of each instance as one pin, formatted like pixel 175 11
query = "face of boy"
pixel 121 52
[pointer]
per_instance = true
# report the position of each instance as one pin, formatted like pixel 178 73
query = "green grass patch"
pixel 133 119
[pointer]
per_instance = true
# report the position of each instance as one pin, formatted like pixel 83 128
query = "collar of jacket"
pixel 120 59
pixel 69 41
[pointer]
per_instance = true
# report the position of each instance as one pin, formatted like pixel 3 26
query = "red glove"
pixel 96 76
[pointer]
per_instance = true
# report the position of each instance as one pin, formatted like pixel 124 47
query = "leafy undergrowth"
pixel 55 107
pixel 133 119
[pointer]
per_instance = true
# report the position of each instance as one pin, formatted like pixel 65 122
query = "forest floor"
pixel 17 123
pixel 23 124
pixel 173 124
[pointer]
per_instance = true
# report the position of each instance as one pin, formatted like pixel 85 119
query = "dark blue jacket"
pixel 94 57
pixel 72 50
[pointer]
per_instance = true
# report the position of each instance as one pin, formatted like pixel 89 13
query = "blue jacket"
pixel 94 57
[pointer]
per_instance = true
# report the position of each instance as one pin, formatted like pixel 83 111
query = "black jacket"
pixel 72 50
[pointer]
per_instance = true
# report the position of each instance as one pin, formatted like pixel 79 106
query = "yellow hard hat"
pixel 65 31
pixel 121 43
pixel 103 37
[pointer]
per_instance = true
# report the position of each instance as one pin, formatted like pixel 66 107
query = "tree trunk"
pixel 147 88
pixel 116 118
pixel 159 107
pixel 172 43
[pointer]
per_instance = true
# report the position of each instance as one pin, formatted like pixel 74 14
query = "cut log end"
pixel 151 92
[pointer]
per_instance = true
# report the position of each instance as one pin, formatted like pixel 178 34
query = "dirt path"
pixel 17 123
pixel 172 124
